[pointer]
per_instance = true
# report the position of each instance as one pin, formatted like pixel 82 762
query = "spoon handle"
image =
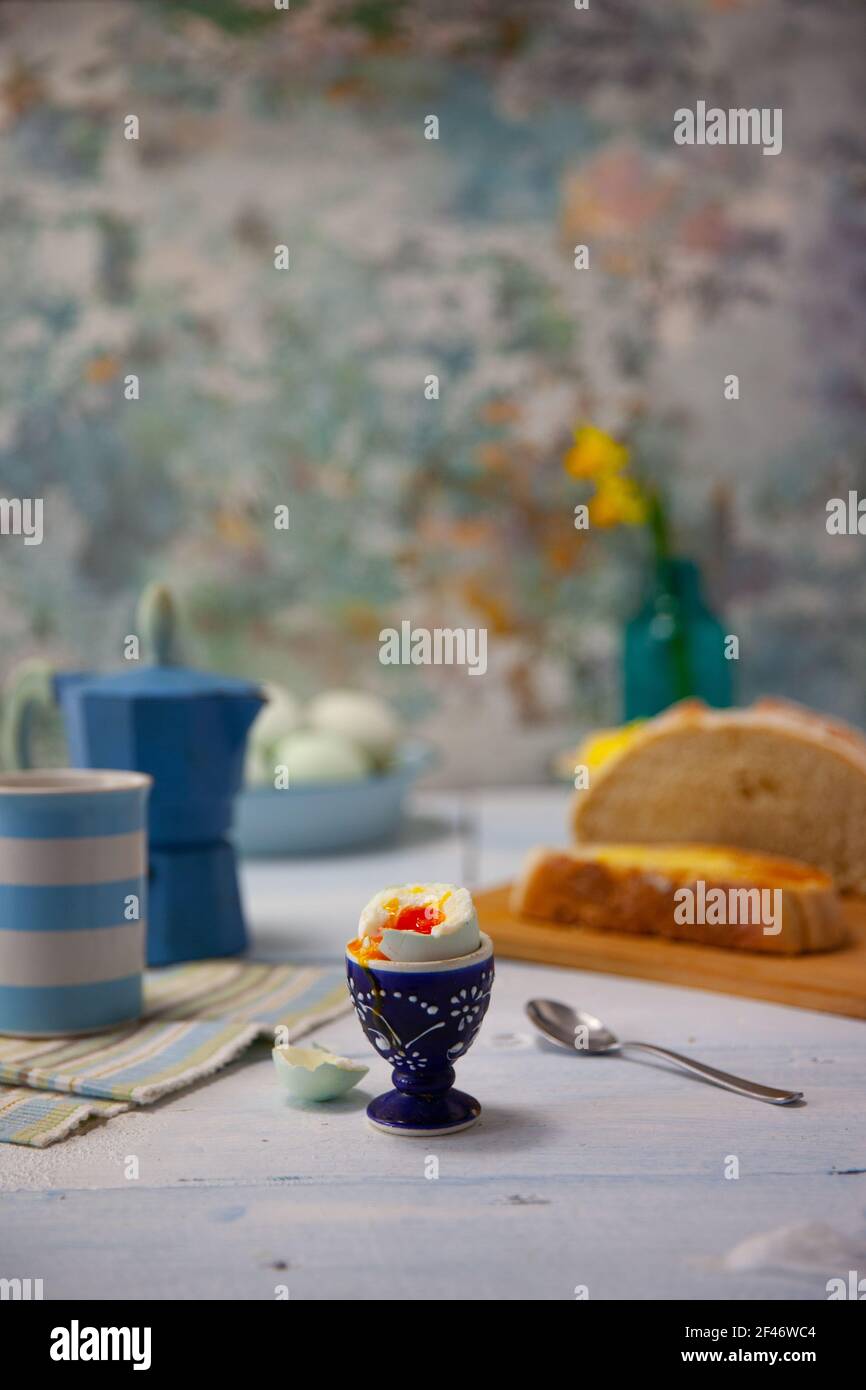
pixel 721 1078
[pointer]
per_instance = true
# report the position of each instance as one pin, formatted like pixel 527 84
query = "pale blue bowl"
pixel 326 817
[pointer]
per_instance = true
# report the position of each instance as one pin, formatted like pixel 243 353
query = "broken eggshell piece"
pixel 313 1073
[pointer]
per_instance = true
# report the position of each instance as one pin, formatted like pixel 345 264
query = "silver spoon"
pixel 580 1032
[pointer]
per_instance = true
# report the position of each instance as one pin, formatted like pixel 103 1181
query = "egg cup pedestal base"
pixel 419 1117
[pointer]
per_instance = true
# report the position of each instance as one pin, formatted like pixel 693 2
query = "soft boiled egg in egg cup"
pixel 420 973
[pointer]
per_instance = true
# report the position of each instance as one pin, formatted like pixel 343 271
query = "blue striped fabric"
pixel 37 1118
pixel 197 1018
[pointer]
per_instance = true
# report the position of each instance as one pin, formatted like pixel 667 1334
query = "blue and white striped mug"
pixel 73 884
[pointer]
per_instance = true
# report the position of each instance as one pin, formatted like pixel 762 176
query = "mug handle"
pixel 29 688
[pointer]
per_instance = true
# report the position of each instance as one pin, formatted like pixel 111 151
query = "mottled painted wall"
pixel 411 256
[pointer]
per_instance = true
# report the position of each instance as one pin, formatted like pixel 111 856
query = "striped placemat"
pixel 37 1118
pixel 197 1018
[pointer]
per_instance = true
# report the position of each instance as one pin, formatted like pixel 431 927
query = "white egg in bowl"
pixel 314 1073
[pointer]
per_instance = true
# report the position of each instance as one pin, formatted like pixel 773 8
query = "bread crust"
pixel 582 887
pixel 692 744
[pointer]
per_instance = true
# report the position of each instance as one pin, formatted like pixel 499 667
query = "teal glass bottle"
pixel 674 647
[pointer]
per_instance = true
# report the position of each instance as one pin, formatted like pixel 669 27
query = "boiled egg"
pixel 417 922
pixel 313 757
pixel 365 719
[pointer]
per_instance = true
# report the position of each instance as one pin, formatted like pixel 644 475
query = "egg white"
pixel 456 935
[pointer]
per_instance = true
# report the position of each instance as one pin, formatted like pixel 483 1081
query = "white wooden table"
pixel 603 1172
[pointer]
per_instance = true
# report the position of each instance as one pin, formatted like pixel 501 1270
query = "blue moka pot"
pixel 188 730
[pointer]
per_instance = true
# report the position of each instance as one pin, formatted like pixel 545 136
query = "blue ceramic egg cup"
pixel 422 1019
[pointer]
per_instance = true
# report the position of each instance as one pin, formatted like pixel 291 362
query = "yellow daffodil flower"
pixel 594 454
pixel 618 501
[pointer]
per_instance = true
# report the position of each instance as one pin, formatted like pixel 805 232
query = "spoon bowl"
pixel 583 1032
pixel 571 1028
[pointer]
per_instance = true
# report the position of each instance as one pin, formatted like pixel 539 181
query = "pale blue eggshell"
pixel 313 1073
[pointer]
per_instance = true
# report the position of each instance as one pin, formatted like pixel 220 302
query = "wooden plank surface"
pixel 611 1172
pixel 830 981
pixel 603 1171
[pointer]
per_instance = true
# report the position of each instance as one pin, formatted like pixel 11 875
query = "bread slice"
pixel 774 777
pixel 638 889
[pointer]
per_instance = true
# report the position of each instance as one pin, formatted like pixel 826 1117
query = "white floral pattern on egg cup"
pixel 422 1018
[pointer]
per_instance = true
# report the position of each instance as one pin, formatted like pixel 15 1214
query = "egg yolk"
pixel 412 918
pixel 420 919
pixel 362 953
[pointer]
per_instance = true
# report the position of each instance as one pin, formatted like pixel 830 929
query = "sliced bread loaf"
pixel 774 777
pixel 715 895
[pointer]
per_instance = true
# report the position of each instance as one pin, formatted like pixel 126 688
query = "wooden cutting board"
pixel 831 981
